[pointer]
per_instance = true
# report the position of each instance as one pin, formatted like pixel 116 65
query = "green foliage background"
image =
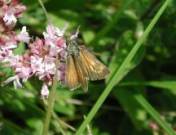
pixel 110 28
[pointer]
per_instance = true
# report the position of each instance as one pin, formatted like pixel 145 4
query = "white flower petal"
pixel 23 35
pixel 9 19
pixel 44 91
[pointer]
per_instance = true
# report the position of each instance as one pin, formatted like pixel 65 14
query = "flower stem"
pixel 51 100
pixel 44 9
pixel 45 12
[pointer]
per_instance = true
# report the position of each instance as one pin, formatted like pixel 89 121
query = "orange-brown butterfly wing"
pixel 71 76
pixel 81 72
pixel 95 70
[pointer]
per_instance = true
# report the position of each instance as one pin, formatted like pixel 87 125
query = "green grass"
pixel 154 114
pixel 117 77
pixel 134 38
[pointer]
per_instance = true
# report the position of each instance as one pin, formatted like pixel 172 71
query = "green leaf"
pixel 163 84
pixel 127 99
pixel 121 51
pixel 20 49
pixel 61 104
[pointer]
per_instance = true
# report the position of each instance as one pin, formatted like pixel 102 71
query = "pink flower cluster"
pixel 40 57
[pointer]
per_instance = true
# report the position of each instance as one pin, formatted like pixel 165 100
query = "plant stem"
pixel 119 74
pixel 45 12
pixel 51 100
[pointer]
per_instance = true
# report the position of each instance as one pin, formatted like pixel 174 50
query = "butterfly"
pixel 82 66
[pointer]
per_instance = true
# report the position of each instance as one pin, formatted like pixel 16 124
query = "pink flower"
pixel 38 48
pixel 36 64
pixel 23 72
pixel 40 57
pixel 11 11
pixel 53 35
pixel 5 54
pixel 153 126
pixel 12 59
pixel 53 32
pixel 18 9
pixel 8 41
pixel 21 66
pixel 23 36
pixel 16 81
pixel 48 68
pixel 43 54
pixel 9 45
pixel 9 19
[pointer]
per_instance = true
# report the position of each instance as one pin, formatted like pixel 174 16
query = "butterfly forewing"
pixel 81 72
pixel 71 78
pixel 95 70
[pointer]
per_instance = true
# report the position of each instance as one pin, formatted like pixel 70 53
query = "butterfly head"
pixel 72 42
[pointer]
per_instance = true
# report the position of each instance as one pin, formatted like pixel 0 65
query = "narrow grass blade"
pixel 154 114
pixel 120 72
pixel 163 84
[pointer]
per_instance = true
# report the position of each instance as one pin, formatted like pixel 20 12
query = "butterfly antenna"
pixel 75 35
